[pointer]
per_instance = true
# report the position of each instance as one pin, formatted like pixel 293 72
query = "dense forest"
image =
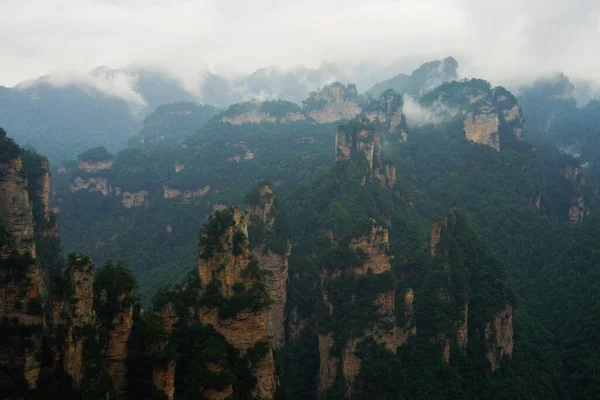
pixel 343 249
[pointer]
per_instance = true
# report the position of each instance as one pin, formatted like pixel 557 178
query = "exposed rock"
pixel 276 285
pixel 92 184
pixel 461 329
pixel 333 103
pixel 258 117
pixel 21 291
pixel 71 315
pixel 363 139
pixel 328 364
pixel 134 199
pixel 117 350
pixel 389 114
pixel 164 378
pixel 89 166
pixel 43 192
pixel 483 127
pixel 179 167
pixel 15 207
pixel 407 327
pixel 577 209
pixel 499 336
pixel 387 176
pixel 374 245
pixel 436 234
pixel 187 194
pixel 227 264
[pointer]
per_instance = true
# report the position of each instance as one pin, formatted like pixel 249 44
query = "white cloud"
pixel 504 41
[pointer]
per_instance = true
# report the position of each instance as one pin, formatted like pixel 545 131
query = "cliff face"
pixel 22 283
pixel 357 137
pixel 488 115
pixel 388 112
pixel 15 206
pixel 116 351
pixel 482 126
pixel 187 195
pixel 577 208
pixel 92 184
pixel 228 263
pixel 258 117
pixel 134 199
pixel 73 310
pixel 374 246
pixel 499 337
pixel 333 103
pixel 94 166
pixel 164 378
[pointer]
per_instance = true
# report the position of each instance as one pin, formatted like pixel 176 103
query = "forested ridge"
pixel 342 249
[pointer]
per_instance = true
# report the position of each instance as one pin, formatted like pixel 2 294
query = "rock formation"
pixel 228 265
pixel 73 312
pixel 258 117
pixel 134 199
pixel 23 214
pixel 116 351
pixel 387 112
pixel 94 166
pixel 499 337
pixel 187 194
pixel 373 246
pixel 332 103
pixel 262 215
pixel 164 378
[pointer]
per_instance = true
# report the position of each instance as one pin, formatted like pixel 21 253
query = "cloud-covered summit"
pixel 505 41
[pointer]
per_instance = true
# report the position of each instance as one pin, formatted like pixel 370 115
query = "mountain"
pixel 422 80
pixel 432 245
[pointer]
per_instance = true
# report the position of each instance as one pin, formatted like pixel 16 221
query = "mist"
pixel 506 42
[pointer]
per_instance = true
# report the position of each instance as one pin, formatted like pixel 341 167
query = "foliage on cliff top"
pixel 9 150
pixel 211 238
pixel 96 154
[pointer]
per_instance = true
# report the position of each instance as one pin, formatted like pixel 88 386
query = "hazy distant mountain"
pixel 425 78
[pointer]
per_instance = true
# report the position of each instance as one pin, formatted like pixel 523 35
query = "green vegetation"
pixel 96 154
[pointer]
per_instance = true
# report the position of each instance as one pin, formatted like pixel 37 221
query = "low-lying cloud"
pixel 505 42
pixel 119 84
pixel 417 115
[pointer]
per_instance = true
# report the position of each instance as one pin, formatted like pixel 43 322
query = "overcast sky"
pixel 497 39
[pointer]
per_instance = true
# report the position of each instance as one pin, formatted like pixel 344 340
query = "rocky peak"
pixel 73 311
pixel 276 111
pixel 332 103
pixel 387 112
pixel 489 115
pixel 261 207
pixel 360 137
pixel 224 250
pixel 432 74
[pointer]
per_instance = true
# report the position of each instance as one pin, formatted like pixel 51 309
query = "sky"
pixel 501 40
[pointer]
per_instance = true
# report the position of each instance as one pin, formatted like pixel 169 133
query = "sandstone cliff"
pixel 23 215
pixel 499 337
pixel 164 378
pixel 261 216
pixel 332 103
pixel 73 311
pixel 228 268
pixel 116 351
pixel 387 112
pixel 345 364
pixel 490 116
